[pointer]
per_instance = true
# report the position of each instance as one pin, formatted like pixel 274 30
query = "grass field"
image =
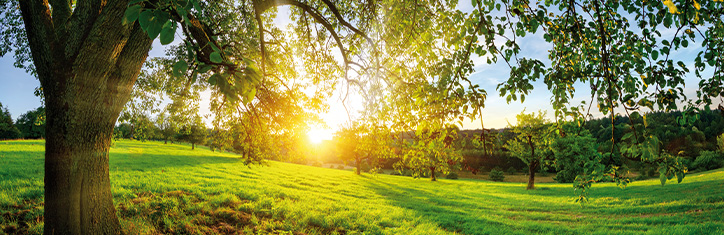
pixel 170 189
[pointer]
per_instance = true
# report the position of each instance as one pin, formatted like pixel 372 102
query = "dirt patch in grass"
pixel 21 217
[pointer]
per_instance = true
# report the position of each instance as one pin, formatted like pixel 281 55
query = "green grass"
pixel 171 189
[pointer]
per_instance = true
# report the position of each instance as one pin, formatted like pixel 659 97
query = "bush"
pixel 452 176
pixel 497 175
pixel 511 170
pixel 341 167
pixel 708 160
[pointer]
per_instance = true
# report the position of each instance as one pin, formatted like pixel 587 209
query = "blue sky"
pixel 17 87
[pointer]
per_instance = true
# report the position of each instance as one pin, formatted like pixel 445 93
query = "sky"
pixel 17 87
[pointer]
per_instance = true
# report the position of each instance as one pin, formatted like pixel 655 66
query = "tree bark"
pixel 532 165
pixel 87 64
pixel 193 146
pixel 358 164
pixel 531 175
pixel 432 174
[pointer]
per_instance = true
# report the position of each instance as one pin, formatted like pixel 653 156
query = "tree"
pixel 360 142
pixel 194 133
pixel 7 129
pixel 532 143
pixel 615 47
pixel 430 152
pixel 167 126
pixel 32 124
pixel 87 56
pixel 347 143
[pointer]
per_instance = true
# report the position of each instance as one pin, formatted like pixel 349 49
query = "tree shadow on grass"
pixel 465 210
pixel 453 212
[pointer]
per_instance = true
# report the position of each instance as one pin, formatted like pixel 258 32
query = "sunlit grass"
pixel 172 189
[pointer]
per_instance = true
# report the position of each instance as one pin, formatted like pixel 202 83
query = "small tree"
pixel 360 142
pixel 532 143
pixel 7 129
pixel 194 133
pixel 167 126
pixel 432 152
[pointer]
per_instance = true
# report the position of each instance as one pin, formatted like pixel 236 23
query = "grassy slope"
pixel 172 189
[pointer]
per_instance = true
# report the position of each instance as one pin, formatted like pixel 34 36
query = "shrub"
pixel 341 167
pixel 497 175
pixel 511 170
pixel 452 176
pixel 708 160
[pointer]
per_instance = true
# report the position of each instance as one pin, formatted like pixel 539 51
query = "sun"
pixel 317 135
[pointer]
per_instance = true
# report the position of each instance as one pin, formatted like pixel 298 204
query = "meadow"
pixel 171 189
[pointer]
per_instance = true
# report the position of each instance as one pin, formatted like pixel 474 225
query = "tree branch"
pixel 39 28
pixel 80 24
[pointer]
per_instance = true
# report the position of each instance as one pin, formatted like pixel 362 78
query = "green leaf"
pixel 250 95
pixel 167 33
pixel 154 28
pixel 627 136
pixel 654 54
pixel 215 57
pixel 214 79
pixel 685 43
pixel 196 4
pixel 662 174
pixel 144 19
pixel 680 176
pixel 132 14
pixel 179 68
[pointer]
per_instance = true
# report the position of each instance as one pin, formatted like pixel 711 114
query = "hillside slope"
pixel 172 189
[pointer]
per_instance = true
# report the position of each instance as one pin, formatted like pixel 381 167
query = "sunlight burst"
pixel 316 135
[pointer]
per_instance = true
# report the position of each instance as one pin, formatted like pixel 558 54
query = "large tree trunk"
pixel 531 175
pixel 87 65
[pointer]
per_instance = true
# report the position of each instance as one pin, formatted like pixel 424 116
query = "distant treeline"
pixel 30 125
pixel 686 141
